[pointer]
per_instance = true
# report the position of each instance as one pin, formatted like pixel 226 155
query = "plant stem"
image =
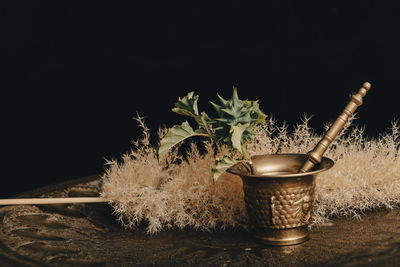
pixel 206 128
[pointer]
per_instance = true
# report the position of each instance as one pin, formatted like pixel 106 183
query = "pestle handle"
pixel 315 156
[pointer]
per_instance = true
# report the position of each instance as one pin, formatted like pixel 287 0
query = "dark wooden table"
pixel 88 235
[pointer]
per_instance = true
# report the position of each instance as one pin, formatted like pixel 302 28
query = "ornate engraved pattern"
pixel 279 209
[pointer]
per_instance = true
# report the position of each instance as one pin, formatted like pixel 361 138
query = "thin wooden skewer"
pixel 44 201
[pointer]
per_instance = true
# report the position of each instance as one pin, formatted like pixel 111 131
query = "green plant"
pixel 234 127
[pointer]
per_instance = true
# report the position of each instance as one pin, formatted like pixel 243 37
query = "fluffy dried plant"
pixel 181 192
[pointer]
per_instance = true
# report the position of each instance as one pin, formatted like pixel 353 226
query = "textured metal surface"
pixel 286 208
pixel 278 199
pixel 88 235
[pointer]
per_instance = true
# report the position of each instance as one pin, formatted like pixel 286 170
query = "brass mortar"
pixel 279 188
pixel 278 199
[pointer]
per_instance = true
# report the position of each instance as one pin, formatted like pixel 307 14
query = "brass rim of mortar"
pixel 241 170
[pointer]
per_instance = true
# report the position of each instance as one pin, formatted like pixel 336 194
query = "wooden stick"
pixel 44 201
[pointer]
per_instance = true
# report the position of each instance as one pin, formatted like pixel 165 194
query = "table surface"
pixel 89 235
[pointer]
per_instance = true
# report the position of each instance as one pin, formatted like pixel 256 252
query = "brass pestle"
pixel 279 188
pixel 315 155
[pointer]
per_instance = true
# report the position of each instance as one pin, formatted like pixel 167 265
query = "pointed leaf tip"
pixel 222 100
pixel 235 96
pixel 187 105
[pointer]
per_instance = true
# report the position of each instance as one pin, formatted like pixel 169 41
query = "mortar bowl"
pixel 278 200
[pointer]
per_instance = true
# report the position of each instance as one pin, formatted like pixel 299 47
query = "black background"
pixel 75 73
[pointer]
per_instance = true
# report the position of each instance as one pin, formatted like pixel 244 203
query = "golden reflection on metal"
pixel 315 156
pixel 279 188
pixel 279 200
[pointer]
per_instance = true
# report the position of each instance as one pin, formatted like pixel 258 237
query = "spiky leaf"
pixel 221 165
pixel 175 135
pixel 233 115
pixel 236 135
pixel 187 105
pixel 234 126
